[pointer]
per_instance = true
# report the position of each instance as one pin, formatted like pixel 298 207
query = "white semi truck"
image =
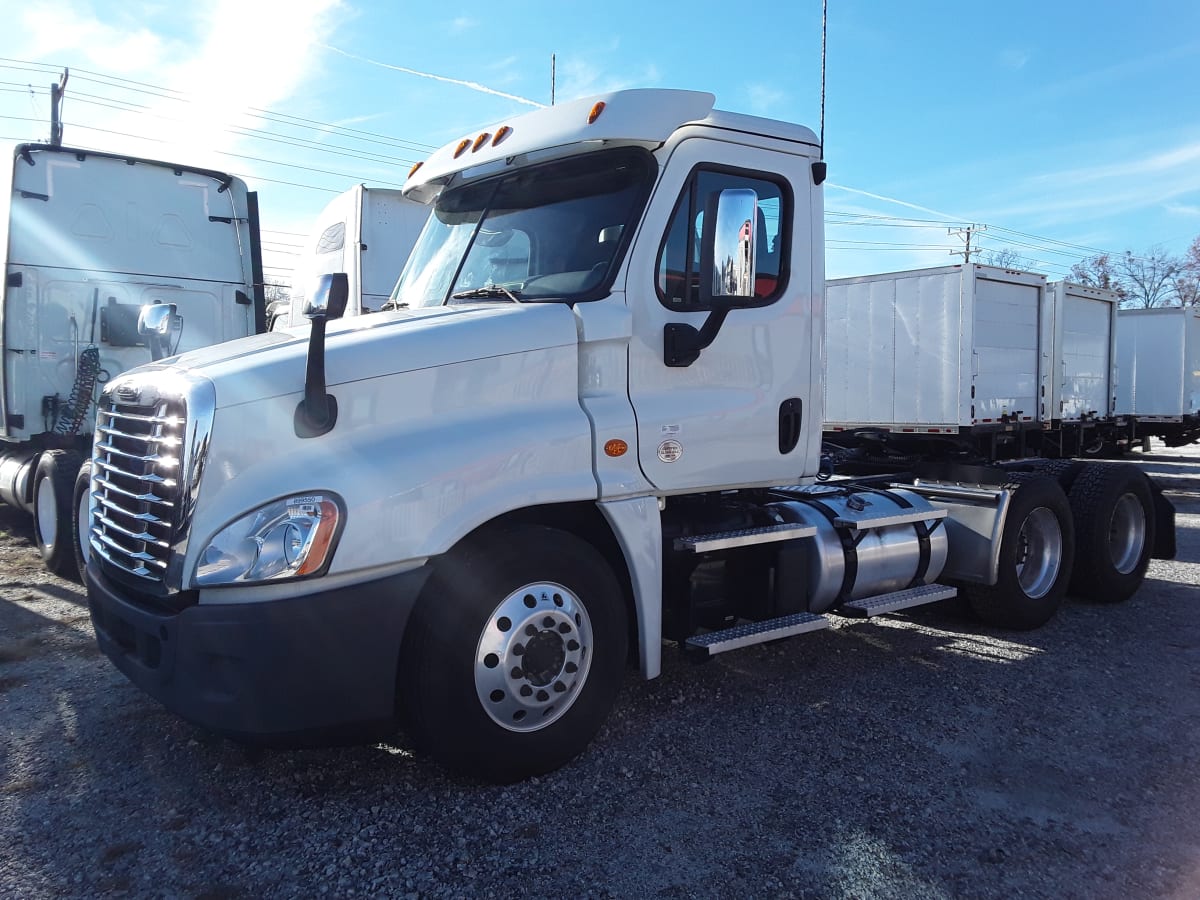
pixel 591 427
pixel 365 232
pixel 92 242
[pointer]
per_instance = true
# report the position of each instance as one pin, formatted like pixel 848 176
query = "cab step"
pixel 712 642
pixel 743 537
pixel 896 601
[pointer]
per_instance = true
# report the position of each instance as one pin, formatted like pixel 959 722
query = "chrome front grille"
pixel 137 470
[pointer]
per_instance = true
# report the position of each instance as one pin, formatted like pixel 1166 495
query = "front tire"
pixel 1114 531
pixel 514 653
pixel 1037 551
pixel 53 512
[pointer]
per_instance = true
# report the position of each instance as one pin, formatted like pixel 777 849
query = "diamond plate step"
pixel 743 537
pixel 897 600
pixel 904 517
pixel 738 636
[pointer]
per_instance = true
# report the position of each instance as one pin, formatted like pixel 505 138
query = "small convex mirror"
pixel 328 299
pixel 734 241
pixel 155 319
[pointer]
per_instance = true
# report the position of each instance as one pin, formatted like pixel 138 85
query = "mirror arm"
pixel 316 414
pixel 682 343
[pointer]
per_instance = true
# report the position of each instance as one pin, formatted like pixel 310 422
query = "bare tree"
pixel 1186 282
pixel 1098 271
pixel 274 289
pixel 1148 278
pixel 1008 258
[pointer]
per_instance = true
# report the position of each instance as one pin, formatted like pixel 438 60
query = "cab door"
pixel 746 409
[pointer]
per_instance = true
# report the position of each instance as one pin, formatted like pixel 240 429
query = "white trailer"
pixel 366 233
pixel 955 350
pixel 591 425
pixel 1158 362
pixel 93 240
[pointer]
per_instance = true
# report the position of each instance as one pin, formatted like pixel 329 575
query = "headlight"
pixel 289 538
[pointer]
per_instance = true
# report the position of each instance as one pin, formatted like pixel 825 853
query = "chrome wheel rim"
pixel 1039 554
pixel 533 656
pixel 47 512
pixel 83 523
pixel 1127 534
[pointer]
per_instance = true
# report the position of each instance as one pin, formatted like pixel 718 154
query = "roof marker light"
pixel 501 133
pixel 480 141
pixel 462 145
pixel 416 165
pixel 597 108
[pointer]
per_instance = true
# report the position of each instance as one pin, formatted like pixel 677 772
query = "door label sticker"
pixel 669 451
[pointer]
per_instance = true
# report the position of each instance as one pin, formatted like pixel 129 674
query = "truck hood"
pixel 274 364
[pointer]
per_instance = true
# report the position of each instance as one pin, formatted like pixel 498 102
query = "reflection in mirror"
pixel 734 243
pixel 328 299
pixel 155 319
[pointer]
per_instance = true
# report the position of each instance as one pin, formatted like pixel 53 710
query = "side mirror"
pixel 727 270
pixel 155 319
pixel 728 246
pixel 328 299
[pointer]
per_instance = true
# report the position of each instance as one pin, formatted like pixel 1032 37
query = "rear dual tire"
pixel 1037 551
pixel 1115 531
pixel 54 512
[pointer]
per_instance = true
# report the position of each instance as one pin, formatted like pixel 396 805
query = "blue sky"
pixel 1064 126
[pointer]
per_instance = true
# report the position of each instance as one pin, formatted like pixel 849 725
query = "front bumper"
pixel 298 670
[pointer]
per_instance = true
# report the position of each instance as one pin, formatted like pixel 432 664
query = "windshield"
pixel 545 232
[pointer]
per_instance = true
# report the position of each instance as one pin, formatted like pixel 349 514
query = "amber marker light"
pixel 462 145
pixel 501 133
pixel 615 447
pixel 480 141
pixel 597 108
pixel 413 170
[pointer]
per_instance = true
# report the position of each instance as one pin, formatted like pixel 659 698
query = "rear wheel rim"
pixel 1039 553
pixel 47 513
pixel 1127 534
pixel 533 657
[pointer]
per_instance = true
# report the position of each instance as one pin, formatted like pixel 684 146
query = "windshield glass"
pixel 545 232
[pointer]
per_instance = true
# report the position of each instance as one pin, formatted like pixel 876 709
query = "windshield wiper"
pixel 488 291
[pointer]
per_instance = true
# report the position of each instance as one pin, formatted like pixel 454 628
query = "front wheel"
pixel 53 511
pixel 514 653
pixel 1037 550
pixel 1115 530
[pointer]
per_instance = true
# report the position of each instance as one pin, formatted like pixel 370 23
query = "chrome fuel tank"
pixel 848 563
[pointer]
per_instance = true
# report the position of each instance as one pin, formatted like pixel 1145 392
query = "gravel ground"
pixel 917 756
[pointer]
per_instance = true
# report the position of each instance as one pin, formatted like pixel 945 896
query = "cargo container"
pixel 1158 373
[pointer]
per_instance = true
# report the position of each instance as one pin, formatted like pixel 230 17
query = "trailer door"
pixel 1005 367
pixel 1084 384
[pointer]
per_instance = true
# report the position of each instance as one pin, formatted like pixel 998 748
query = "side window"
pixel 678 267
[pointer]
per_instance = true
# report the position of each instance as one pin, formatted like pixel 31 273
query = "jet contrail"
pixel 473 85
pixel 924 209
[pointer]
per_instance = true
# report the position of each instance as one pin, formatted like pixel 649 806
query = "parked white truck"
pixel 367 233
pixel 593 425
pixel 1158 354
pixel 93 241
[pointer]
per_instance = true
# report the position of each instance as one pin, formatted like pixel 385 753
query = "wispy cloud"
pixel 581 78
pixel 1182 209
pixel 463 23
pixel 1013 58
pixel 764 98
pixel 1125 69
pixel 470 85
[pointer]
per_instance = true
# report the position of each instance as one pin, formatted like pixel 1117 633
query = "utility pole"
pixel 553 74
pixel 56 98
pixel 966 234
